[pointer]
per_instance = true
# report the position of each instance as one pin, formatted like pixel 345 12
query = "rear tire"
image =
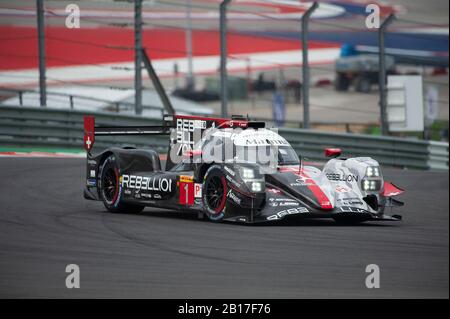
pixel 214 193
pixel 363 84
pixel 110 190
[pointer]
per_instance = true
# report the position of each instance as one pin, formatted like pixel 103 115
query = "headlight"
pixel 253 180
pixel 371 185
pixel 373 171
pixel 257 187
pixel 247 173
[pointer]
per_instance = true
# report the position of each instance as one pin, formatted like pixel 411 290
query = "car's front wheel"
pixel 110 189
pixel 214 193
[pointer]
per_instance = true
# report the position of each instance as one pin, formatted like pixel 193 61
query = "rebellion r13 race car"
pixel 232 188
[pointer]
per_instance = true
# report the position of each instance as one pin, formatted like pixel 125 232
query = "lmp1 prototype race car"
pixel 231 185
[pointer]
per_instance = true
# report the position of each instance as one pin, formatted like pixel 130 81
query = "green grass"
pixel 436 130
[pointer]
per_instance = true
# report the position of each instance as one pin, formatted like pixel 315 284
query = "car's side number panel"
pixel 187 191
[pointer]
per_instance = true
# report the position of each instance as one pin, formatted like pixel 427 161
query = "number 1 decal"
pixel 187 193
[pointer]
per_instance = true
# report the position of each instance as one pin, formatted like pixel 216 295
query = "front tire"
pixel 214 193
pixel 110 190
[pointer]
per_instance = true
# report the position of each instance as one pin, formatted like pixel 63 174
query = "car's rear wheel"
pixel 363 84
pixel 110 189
pixel 214 193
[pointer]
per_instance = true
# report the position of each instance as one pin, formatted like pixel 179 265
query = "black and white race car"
pixel 233 187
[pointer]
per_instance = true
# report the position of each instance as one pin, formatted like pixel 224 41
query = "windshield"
pixel 287 156
pixel 283 155
pixel 272 151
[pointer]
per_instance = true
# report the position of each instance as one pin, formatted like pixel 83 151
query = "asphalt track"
pixel 45 224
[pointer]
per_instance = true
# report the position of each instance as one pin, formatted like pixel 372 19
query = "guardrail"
pixel 390 151
pixel 30 127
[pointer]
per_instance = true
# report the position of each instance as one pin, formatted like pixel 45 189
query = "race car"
pixel 233 187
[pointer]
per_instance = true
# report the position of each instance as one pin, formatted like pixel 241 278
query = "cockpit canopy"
pixel 256 146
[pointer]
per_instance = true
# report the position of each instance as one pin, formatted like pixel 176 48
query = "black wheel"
pixel 363 84
pixel 214 193
pixel 110 189
pixel 342 83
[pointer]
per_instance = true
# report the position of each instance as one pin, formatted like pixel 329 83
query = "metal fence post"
pixel 41 48
pixel 305 86
pixel 190 76
pixel 138 55
pixel 382 74
pixel 223 57
pixel 157 84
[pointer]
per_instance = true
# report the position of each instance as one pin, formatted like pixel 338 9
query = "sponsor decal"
pixel 91 182
pixel 349 209
pixel 92 173
pixel 235 199
pixel 342 189
pixel 127 192
pixel 186 179
pixel 147 183
pixel 198 190
pixel 185 133
pixel 230 171
pixel 350 201
pixel 302 182
pixel 291 211
pixel 232 181
pixel 334 177
pixel 289 204
pixel 264 141
pixel 283 202
pixel 273 190
pixel 146 196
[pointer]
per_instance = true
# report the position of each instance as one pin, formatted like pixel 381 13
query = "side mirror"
pixel 333 152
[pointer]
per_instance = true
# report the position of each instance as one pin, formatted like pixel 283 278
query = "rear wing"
pixel 91 131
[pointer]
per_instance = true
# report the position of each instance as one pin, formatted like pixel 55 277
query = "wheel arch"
pixel 201 172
